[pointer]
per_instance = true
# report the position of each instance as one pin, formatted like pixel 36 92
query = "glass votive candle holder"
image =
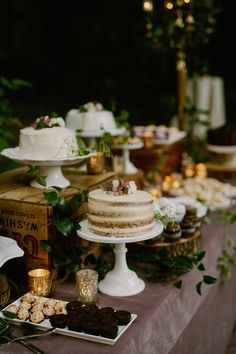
pixel 87 286
pixel 39 281
pixel 96 163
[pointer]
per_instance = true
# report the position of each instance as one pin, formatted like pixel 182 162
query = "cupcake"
pixel 188 228
pixel 123 317
pixel 59 321
pixel 172 231
pixel 109 331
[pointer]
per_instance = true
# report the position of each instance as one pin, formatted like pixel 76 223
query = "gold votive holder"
pixel 39 281
pixel 87 286
pixel 148 140
pixel 96 164
pixel 118 165
pixel 201 170
pixel 156 192
pixel 167 184
pixel 189 171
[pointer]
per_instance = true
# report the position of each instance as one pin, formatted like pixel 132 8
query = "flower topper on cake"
pixel 48 122
pixel 91 107
pixel 122 186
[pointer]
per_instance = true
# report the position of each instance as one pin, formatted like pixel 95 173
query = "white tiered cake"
pixel 121 212
pixel 47 139
pixel 90 117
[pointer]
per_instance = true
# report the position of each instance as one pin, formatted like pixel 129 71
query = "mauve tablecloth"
pixel 169 321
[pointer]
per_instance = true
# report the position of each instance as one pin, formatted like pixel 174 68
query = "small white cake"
pixel 90 117
pixel 122 211
pixel 47 139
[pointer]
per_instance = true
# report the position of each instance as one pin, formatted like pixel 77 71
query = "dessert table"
pixel 169 321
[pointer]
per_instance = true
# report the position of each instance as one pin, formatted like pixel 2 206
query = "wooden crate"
pixel 26 216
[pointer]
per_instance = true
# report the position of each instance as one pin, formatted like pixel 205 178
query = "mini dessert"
pixel 172 231
pixel 105 311
pixel 37 317
pixel 188 228
pixel 73 305
pixel 25 304
pixel 92 327
pixel 75 324
pixel 47 139
pixel 121 211
pixel 89 117
pixel 23 314
pixel 28 297
pixel 109 331
pixel 37 307
pixel 59 321
pixel 123 317
pixel 48 311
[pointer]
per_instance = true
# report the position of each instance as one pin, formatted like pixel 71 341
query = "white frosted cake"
pixel 122 212
pixel 90 117
pixel 47 139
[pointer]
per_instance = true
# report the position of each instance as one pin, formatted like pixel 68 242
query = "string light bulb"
pixel 169 5
pixel 148 5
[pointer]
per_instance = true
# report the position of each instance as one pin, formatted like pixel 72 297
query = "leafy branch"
pixel 66 253
pixel 227 260
pixel 164 268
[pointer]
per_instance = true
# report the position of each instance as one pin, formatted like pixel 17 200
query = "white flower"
pixel 90 107
pixel 115 184
pixel 58 121
pixel 99 107
pixel 132 187
pixel 169 210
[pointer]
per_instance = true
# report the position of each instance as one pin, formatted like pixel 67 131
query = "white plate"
pixel 9 249
pixel 221 149
pixel 186 200
pixel 14 154
pixel 133 146
pixel 172 139
pixel 100 132
pixel 46 324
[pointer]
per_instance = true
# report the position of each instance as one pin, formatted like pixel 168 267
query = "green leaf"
pixel 178 284
pixel 42 180
pixel 200 255
pixel 201 267
pixel 199 288
pixel 65 226
pixel 51 197
pixel 46 245
pixel 9 314
pixel 208 279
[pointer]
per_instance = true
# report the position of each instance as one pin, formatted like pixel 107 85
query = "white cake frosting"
pixel 91 117
pixel 120 215
pixel 50 143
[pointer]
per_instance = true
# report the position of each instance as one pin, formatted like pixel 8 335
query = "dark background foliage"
pixel 74 51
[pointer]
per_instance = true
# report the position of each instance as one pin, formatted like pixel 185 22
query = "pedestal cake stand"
pixel 51 169
pixel 120 281
pixel 129 168
pixel 225 154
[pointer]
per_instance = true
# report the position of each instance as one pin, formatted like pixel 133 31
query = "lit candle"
pixel 148 139
pixel 189 171
pixel 201 170
pixel 95 163
pixel 167 183
pixel 39 282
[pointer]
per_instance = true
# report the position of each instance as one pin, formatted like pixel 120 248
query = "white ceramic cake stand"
pixel 91 135
pixel 120 281
pixel 51 169
pixel 129 168
pixel 226 154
